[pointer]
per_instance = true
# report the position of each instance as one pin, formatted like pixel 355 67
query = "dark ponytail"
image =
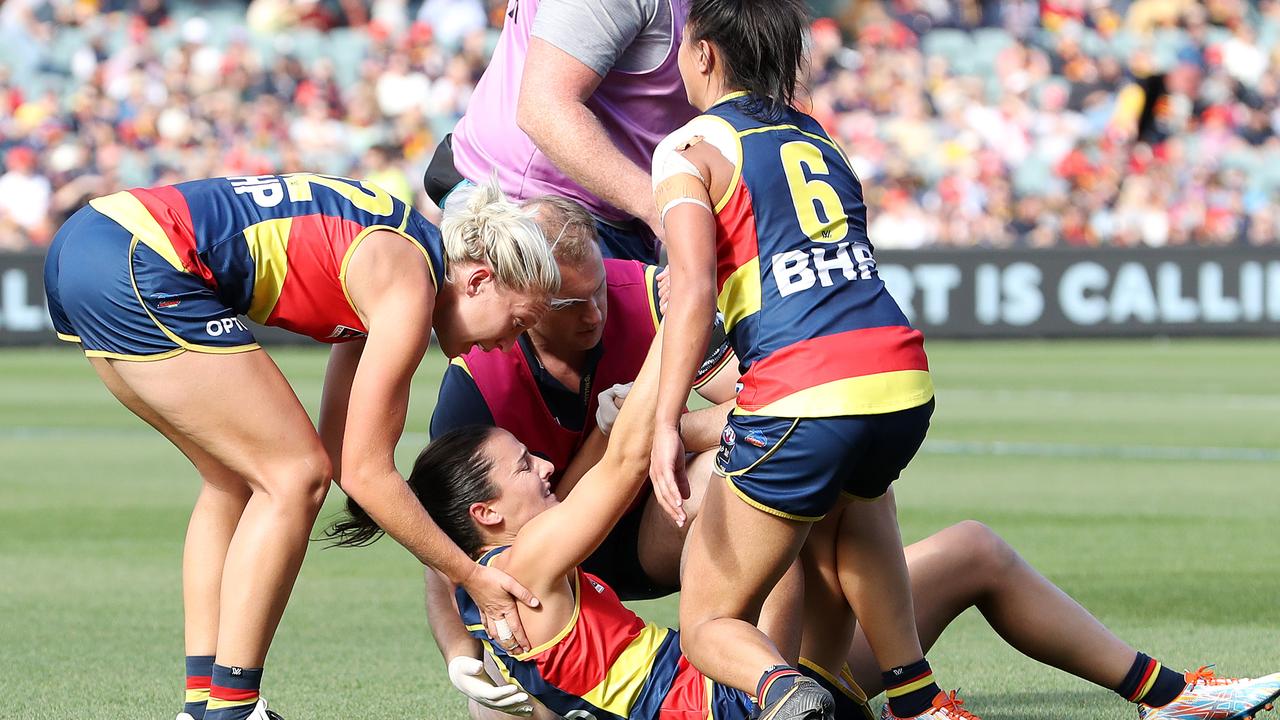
pixel 762 42
pixel 357 529
pixel 450 474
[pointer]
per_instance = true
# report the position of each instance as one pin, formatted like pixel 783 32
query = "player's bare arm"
pixel 553 112
pixel 559 539
pixel 387 280
pixel 683 185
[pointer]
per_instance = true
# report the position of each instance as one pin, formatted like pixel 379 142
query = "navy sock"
pixel 199 672
pixel 233 693
pixel 775 682
pixel 910 688
pixel 1150 683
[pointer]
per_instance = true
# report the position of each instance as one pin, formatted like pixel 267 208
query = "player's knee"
pixel 985 553
pixel 300 482
pixel 689 637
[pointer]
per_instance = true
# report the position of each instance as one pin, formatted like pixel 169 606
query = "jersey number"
pixel 369 198
pixel 265 191
pixel 818 207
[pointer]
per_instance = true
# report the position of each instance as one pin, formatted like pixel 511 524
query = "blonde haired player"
pixel 152 283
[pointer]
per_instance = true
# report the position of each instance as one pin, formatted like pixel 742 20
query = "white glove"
pixel 608 403
pixel 468 675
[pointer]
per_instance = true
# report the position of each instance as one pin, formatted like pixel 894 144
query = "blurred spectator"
pixel 1071 122
pixel 453 20
pixel 24 196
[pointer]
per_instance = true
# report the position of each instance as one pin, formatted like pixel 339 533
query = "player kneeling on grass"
pixel 969 566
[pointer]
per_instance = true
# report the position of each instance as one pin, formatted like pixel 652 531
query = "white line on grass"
pixel 1123 452
pixel 1239 401
pixel 932 446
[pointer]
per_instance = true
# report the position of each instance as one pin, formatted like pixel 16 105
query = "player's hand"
pixel 496 593
pixel 468 676
pixel 667 471
pixel 664 289
pixel 607 405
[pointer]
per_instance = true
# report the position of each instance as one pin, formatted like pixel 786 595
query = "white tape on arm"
pixel 662 214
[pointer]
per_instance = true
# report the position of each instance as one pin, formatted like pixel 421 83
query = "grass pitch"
pixel 1141 476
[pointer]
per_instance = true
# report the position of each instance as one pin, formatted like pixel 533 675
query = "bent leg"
pixel 873 573
pixel 969 565
pixel 661 543
pixel 213 520
pixel 241 412
pixel 828 620
pixel 737 554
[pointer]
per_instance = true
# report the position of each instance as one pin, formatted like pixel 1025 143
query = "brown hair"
pixel 568 227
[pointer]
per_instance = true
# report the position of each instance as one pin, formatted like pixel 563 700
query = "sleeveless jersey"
pixel 806 311
pixel 273 247
pixel 608 664
pixel 636 109
pixel 508 387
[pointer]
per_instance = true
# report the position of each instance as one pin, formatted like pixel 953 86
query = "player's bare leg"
pixel 873 573
pixel 661 542
pixel 736 555
pixel 828 621
pixel 222 498
pixel 239 409
pixel 968 565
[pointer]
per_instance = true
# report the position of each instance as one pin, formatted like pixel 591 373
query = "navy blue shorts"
pixel 630 240
pixel 120 299
pixel 797 468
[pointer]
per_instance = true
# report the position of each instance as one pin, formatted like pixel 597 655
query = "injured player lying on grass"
pixel 494 500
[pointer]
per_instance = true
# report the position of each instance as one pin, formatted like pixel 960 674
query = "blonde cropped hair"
pixel 567 226
pixel 481 225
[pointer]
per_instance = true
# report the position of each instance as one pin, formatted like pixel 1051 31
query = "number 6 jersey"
pixel 816 331
pixel 273 247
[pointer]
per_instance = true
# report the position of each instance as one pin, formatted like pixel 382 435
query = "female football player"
pixel 151 284
pixel 765 219
pixel 595 658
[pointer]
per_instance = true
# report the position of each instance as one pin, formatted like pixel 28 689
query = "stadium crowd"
pixel 1021 123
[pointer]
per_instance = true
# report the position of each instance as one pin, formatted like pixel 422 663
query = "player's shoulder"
pixel 702 127
pixel 695 144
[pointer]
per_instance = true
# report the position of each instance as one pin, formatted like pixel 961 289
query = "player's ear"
pixel 705 55
pixel 483 514
pixel 477 278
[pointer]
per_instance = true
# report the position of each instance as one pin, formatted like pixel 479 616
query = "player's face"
pixel 523 481
pixel 575 322
pixel 486 314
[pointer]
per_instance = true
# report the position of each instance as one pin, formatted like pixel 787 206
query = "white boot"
pixel 260 711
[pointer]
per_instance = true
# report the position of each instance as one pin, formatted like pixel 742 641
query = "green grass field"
pixel 1143 477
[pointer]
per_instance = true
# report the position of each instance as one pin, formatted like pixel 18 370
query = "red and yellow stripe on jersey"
pixel 273 247
pixel 805 309
pixel 609 663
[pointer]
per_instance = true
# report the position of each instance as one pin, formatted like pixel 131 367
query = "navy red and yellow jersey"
pixel 273 247
pixel 812 323
pixel 609 664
